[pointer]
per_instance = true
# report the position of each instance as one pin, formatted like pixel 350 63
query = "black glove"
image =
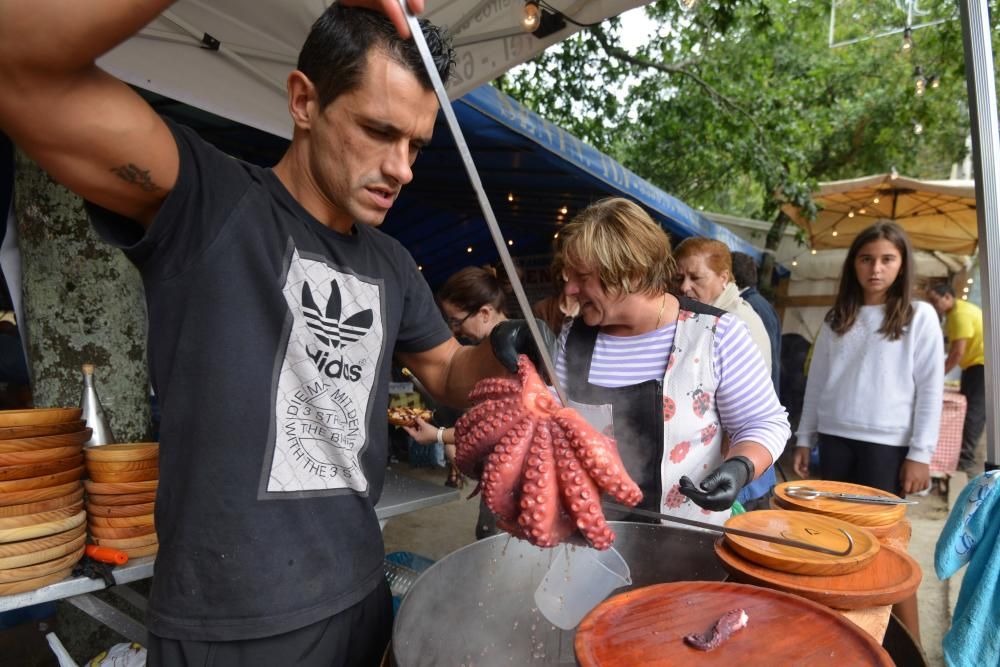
pixel 719 490
pixel 513 337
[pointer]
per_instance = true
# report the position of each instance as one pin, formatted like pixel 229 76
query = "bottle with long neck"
pixel 93 412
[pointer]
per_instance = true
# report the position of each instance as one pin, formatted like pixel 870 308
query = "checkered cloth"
pixel 949 445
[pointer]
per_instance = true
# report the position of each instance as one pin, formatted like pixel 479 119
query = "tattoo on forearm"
pixel 131 173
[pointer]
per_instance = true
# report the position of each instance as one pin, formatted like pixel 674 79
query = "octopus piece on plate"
pixel 541 467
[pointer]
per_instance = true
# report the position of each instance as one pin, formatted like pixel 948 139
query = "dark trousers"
pixel 356 637
pixel 974 389
pixel 858 462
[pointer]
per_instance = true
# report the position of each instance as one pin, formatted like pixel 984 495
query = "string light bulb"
pixel 907 39
pixel 564 210
pixel 918 128
pixel 894 174
pixel 850 214
pixel 510 196
pixel 420 267
pixel 863 211
pixel 919 82
pixel 531 18
pixel 469 249
pixel 795 262
pixel 556 235
pixel 835 232
pixel 813 251
pixel 510 241
pixel 935 81
pixel 970 281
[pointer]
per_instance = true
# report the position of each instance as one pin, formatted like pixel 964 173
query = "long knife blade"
pixel 484 202
pixel 734 531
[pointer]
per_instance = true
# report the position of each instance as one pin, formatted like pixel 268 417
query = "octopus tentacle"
pixel 502 470
pixel 537 398
pixel 580 495
pixel 490 389
pixel 479 429
pixel 598 455
pixel 542 516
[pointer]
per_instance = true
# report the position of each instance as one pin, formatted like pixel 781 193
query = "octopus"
pixel 542 468
pixel 729 623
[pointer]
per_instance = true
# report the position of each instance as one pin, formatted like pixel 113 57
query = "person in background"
pixel 556 310
pixel 705 273
pixel 964 328
pixel 875 383
pixel 745 277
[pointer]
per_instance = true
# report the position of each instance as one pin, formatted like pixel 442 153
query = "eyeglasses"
pixel 455 323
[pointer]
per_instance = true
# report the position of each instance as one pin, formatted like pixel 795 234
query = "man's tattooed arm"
pixel 133 174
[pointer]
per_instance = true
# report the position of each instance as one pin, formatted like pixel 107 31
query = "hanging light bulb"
pixel 420 267
pixel 907 39
pixel 875 201
pixel 919 82
pixel 510 196
pixel 850 214
pixel 564 210
pixel 863 211
pixel 918 128
pixel 835 232
pixel 469 249
pixel 795 262
pixel 532 16
pixel 813 251
pixel 556 235
pixel 935 81
pixel 894 175
pixel 510 241
pixel 965 289
pixel 970 281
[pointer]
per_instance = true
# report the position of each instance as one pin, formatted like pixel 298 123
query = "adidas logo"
pixel 328 328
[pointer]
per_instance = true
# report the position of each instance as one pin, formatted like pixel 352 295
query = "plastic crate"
pixel 410 561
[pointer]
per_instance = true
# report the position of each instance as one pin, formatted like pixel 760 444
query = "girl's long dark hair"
pixel 850 296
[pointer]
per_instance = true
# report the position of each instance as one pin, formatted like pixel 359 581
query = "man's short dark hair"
pixel 744 270
pixel 943 289
pixel 335 53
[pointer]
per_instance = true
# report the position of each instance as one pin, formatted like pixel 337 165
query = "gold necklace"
pixel 659 316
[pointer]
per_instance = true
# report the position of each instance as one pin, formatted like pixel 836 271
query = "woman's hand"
pixel 393 10
pixel 915 477
pixel 801 463
pixel 423 433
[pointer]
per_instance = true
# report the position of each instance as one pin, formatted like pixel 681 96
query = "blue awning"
pixel 531 170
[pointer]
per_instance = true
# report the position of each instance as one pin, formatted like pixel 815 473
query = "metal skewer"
pixel 735 531
pixel 484 202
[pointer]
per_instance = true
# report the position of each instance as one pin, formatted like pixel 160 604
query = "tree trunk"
pixel 765 279
pixel 83 303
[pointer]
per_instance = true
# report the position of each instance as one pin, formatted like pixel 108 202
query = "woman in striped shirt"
pixel 664 376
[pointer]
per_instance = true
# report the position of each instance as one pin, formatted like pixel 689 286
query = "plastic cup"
pixel 577 581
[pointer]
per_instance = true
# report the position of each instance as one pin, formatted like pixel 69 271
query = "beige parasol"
pixel 937 215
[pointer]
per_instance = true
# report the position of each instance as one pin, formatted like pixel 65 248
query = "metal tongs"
pixel 809 493
pixel 735 531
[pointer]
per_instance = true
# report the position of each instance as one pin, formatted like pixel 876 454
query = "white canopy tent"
pixel 232 57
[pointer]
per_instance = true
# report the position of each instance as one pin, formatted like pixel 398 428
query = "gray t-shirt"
pixel 270 344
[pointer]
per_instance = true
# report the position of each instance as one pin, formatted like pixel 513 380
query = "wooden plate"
pixel 861 514
pixel 39 416
pixel 38 495
pixel 119 499
pixel 133 451
pixel 891 577
pixel 44 555
pixel 45 441
pixel 104 488
pixel 124 476
pixel 41 517
pixel 121 532
pixel 34 584
pixel 125 542
pixel 41 543
pixel 646 626
pixel 121 466
pixel 121 521
pixel 42 529
pixel 94 511
pixel 139 552
pixel 43 482
pixel 38 455
pixel 812 528
pixel 11 432
pixel 44 505
pixel 41 569
pixel 38 469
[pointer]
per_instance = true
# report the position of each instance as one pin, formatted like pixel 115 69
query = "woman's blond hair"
pixel 620 241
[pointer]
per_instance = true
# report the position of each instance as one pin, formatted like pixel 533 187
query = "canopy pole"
pixel 985 152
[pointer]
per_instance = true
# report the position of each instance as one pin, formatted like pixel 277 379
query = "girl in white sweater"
pixel 873 393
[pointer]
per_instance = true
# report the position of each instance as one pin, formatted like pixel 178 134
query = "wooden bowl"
pixel 121 499
pixel 8 473
pixel 126 476
pixel 44 555
pixel 34 584
pixel 39 416
pixel 45 441
pixel 106 488
pixel 44 505
pixel 860 514
pixel 121 466
pixel 38 455
pixel 41 569
pixel 120 521
pixel 42 529
pixel 646 626
pixel 125 542
pixel 133 451
pixel 94 511
pixel 814 529
pixel 139 552
pixel 43 482
pixel 41 543
pixel 15 432
pixel 120 532
pixel 891 577
pixel 37 495
pixel 41 517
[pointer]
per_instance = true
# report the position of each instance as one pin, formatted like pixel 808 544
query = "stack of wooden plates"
pixel 120 496
pixel 42 529
pixel 884 521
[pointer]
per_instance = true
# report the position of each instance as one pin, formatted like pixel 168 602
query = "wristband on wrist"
pixel 440 439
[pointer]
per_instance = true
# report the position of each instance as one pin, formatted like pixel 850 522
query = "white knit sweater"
pixel 865 387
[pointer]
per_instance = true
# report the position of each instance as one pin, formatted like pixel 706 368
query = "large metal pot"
pixel 476 605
